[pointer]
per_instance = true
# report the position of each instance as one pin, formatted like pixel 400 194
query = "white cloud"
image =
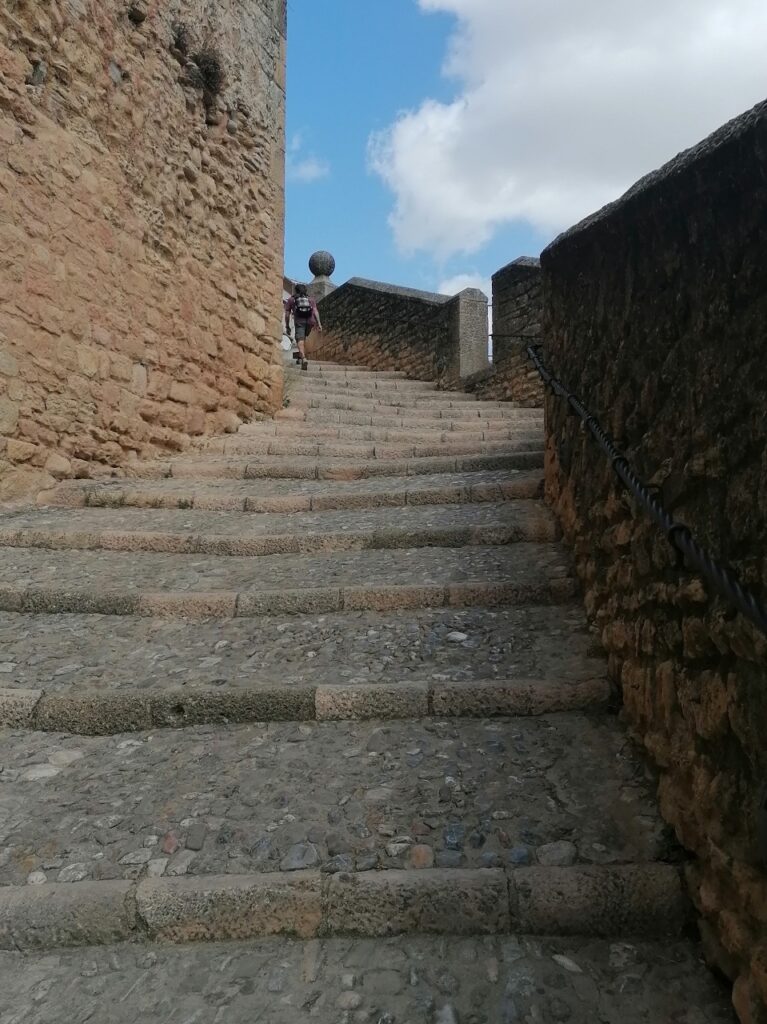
pixel 456 284
pixel 560 107
pixel 304 168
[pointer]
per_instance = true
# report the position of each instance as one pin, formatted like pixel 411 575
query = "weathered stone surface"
pixel 135 273
pixel 666 349
pixel 638 899
pixel 17 707
pixel 403 979
pixel 391 902
pixel 221 908
pixel 82 914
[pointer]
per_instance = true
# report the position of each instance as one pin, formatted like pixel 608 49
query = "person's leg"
pixel 302 348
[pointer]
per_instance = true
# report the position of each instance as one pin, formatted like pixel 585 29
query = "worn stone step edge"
pixel 357 449
pixel 93 496
pixel 107 713
pixel 392 415
pixel 638 900
pixel 287 430
pixel 307 601
pixel 413 405
pixel 254 545
pixel 296 468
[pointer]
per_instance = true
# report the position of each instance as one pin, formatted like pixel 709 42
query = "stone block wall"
pixel 517 315
pixel 141 224
pixel 384 327
pixel 656 315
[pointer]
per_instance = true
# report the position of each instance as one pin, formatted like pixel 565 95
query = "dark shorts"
pixel 303 330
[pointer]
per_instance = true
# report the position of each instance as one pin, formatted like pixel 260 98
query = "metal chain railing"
pixel 686 547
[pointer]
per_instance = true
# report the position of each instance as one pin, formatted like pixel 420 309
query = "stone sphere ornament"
pixel 322 264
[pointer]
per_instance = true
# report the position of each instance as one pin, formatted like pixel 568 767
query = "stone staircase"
pixel 308 724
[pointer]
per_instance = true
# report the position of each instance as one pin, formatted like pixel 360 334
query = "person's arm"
pixel 288 311
pixel 317 321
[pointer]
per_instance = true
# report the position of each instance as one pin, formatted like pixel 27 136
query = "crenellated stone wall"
pixel 656 316
pixel 141 227
pixel 385 327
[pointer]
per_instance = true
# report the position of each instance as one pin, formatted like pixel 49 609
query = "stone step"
pixel 229 533
pixel 75 655
pixel 322 366
pixel 310 468
pixel 263 496
pixel 388 393
pixel 95 712
pixel 456 444
pixel 498 430
pixel 403 978
pixel 359 402
pixel 641 901
pixel 205 586
pixel 373 383
pixel 556 792
pixel 394 416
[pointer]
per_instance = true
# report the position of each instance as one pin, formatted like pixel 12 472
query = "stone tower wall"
pixel 141 229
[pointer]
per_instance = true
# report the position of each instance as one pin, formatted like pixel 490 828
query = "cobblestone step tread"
pixel 355 450
pixel 232 533
pixel 81 653
pixel 255 467
pixel 201 586
pixel 559 790
pixel 485 980
pixel 301 495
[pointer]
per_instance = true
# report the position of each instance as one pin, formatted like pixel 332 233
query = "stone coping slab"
pixel 309 905
pixel 558 790
pixel 408 979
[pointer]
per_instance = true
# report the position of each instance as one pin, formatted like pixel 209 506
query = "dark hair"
pixel 301 289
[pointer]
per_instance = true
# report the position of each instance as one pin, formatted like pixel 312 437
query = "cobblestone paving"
pixel 390 798
pixel 130 571
pixel 557 790
pixel 387 490
pixel 513 519
pixel 398 981
pixel 76 652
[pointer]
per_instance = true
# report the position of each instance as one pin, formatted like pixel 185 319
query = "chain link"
pixel 686 548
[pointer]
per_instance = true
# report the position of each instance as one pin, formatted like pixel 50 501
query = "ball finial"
pixel 322 264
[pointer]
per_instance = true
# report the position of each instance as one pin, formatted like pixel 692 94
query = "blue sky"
pixel 349 75
pixel 499 122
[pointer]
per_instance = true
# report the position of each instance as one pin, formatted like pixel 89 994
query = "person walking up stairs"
pixel 308 725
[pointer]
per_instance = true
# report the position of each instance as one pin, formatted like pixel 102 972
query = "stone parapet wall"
pixel 656 315
pixel 517 316
pixel 141 224
pixel 384 327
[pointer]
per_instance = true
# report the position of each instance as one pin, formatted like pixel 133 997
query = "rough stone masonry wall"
pixel 656 315
pixel 517 315
pixel 384 327
pixel 141 229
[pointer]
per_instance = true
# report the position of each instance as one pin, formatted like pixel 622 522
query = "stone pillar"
pixel 322 265
pixel 469 331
